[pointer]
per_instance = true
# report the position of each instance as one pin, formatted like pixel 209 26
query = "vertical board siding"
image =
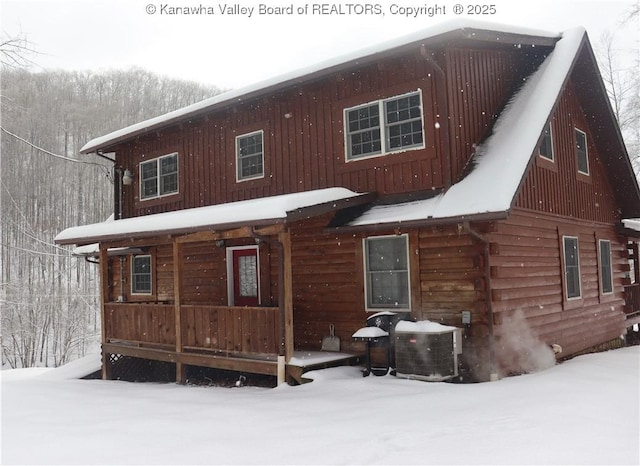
pixel 478 86
pixel 305 149
pixel 527 274
pixel 557 187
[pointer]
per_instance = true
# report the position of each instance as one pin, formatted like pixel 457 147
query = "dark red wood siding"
pixel 557 187
pixel 304 132
pixel 479 84
pixel 527 276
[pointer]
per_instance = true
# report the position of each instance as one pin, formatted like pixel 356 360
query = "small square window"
pixel 250 156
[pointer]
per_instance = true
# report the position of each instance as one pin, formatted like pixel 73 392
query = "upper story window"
pixel 582 152
pixel 159 177
pixel 387 272
pixel 141 275
pixel 571 267
pixel 384 126
pixel 250 156
pixel 606 274
pixel 546 145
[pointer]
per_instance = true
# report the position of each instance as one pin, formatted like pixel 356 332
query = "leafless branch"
pixel 15 51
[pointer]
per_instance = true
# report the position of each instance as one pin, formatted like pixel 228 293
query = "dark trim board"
pixel 255 366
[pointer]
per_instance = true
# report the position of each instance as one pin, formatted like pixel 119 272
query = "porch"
pixel 242 339
pixel 224 337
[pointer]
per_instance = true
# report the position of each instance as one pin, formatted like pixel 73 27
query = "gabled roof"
pixel 502 160
pixel 253 212
pixel 479 33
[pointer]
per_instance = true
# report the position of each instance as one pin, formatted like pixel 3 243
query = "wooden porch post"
pixel 285 240
pixel 103 260
pixel 636 262
pixel 181 375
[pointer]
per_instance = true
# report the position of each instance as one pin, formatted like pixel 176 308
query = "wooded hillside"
pixel 50 310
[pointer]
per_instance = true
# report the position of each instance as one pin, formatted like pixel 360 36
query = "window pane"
pixel 387 272
pixel 363 131
pixel 248 276
pixel 149 179
pixel 546 145
pixel 605 266
pixel 169 164
pixel 250 156
pixel 365 143
pixel 581 150
pixel 572 267
pixel 404 122
pixel 141 275
pixel 389 289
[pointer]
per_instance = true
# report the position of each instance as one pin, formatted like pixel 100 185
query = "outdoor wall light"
pixel 220 243
pixel 127 177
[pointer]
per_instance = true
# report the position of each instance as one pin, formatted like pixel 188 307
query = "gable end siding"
pixel 557 187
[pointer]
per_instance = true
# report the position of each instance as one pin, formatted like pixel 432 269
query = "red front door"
pixel 245 277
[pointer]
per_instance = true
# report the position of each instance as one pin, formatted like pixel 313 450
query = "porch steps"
pixel 307 361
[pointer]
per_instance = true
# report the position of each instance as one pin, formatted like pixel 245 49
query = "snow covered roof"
pixel 263 211
pixel 632 223
pixel 502 159
pixel 441 33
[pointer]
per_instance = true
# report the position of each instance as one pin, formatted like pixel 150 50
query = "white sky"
pixel 232 51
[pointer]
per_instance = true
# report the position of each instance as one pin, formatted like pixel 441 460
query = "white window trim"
pixel 602 292
pixel 229 258
pixel 254 177
pixel 586 152
pixel 383 127
pixel 157 161
pixel 564 260
pixel 137 293
pixel 553 154
pixel 366 281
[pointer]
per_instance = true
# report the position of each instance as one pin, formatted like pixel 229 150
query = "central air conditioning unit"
pixel 427 350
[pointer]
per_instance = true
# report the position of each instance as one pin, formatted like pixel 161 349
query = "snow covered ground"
pixel 583 411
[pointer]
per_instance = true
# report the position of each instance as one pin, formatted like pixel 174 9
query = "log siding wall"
pixel 527 275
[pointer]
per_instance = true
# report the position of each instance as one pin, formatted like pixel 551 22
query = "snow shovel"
pixel 332 342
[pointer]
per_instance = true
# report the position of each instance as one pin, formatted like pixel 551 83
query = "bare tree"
pixel 622 81
pixel 14 51
pixel 49 299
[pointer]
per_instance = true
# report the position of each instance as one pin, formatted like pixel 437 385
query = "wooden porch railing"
pixel 241 331
pixel 238 330
pixel 632 298
pixel 140 323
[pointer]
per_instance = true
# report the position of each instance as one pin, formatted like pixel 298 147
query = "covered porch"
pixel 191 314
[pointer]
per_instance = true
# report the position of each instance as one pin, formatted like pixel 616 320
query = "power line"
pixel 45 151
pixel 31 251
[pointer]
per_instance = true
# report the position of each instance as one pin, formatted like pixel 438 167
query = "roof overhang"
pixel 265 211
pixel 630 228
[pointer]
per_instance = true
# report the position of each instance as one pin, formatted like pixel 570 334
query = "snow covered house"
pixel 468 171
